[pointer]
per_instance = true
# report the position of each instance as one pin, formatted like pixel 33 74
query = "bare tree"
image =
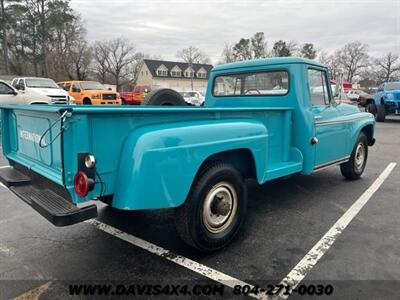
pixel 192 55
pixel 227 54
pixel 331 61
pixel 353 57
pixel 100 66
pixel 80 60
pixel 120 60
pixel 388 67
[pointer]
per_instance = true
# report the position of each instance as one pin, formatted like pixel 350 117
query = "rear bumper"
pixel 51 202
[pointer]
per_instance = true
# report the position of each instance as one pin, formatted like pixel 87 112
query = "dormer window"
pixel 162 73
pixel 176 73
pixel 202 75
pixel 189 74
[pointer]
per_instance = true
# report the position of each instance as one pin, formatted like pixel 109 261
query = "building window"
pixel 189 74
pixel 162 73
pixel 202 75
pixel 176 74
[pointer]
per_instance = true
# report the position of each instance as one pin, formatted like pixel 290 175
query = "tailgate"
pixel 29 137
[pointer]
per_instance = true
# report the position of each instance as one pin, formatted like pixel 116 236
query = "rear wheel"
pixel 354 168
pixel 371 108
pixel 214 209
pixel 87 101
pixel 380 113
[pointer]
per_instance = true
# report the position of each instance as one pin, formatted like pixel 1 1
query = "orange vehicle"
pixel 90 92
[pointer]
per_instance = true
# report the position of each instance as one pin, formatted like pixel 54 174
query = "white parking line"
pixel 35 293
pixel 3 167
pixel 178 259
pixel 297 274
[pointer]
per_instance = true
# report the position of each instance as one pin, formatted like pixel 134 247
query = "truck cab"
pixel 262 119
pixel 42 86
pixel 90 93
pixel 386 101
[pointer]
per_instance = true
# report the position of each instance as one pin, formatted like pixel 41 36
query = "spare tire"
pixel 165 97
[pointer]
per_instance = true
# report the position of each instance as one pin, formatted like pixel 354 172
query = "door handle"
pixel 317 118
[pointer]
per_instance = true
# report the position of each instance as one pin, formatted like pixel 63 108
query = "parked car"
pixel 364 98
pixel 386 101
pixel 195 160
pixel 193 98
pixel 10 95
pixel 353 95
pixel 138 93
pixel 43 86
pixel 90 92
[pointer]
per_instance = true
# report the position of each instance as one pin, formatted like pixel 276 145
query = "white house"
pixel 175 75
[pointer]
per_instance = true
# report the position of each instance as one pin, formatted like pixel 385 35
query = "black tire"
pixel 191 217
pixel 354 168
pixel 87 101
pixel 165 97
pixel 380 113
pixel 371 108
pixel 123 101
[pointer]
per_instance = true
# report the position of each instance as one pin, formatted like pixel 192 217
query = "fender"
pixel 356 127
pixel 158 163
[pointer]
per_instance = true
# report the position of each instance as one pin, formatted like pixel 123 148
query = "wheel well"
pixel 369 132
pixel 86 99
pixel 241 159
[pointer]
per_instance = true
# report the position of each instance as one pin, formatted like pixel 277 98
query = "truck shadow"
pixel 274 207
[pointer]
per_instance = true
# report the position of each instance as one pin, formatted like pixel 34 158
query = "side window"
pixel 21 84
pixel 318 87
pixel 14 83
pixel 268 83
pixel 5 89
pixel 75 88
pixel 67 86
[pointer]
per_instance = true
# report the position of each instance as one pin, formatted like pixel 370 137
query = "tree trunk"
pixel 5 40
pixel 43 39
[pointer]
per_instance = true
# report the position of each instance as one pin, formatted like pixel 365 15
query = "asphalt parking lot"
pixel 285 219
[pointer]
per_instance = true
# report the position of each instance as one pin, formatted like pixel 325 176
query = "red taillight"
pixel 81 184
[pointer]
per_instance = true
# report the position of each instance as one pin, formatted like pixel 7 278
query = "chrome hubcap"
pixel 360 156
pixel 219 207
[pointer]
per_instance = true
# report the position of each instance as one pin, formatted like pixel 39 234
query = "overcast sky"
pixel 163 27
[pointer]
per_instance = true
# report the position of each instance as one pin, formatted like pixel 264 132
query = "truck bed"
pixel 146 144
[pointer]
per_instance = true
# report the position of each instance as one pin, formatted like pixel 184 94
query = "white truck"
pixel 43 86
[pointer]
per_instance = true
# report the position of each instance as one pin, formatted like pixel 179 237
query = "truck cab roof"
pixel 267 61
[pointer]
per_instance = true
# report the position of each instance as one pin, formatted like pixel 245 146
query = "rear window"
pixel 271 83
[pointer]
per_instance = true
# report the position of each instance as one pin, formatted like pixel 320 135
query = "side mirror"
pixel 13 92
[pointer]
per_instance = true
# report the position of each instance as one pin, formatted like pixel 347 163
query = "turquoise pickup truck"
pixel 262 119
